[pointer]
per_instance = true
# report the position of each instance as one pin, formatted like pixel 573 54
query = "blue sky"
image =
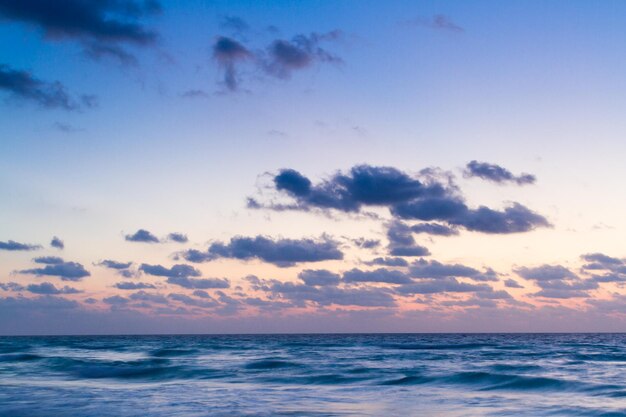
pixel 151 136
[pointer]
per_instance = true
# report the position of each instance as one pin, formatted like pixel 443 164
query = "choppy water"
pixel 314 375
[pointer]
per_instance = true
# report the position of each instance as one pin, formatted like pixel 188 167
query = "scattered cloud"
pixel 496 173
pixel 102 27
pixel 57 243
pixel 429 197
pixel 142 235
pixel 57 267
pixel 280 252
pixel 12 245
pixel 133 286
pixel 178 237
pixel 47 288
pixel 23 85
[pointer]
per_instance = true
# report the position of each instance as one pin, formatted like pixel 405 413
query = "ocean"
pixel 314 375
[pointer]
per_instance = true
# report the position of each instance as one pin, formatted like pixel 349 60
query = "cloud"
pixel 205 302
pixel 24 86
pixel 133 286
pixel 437 22
pixel 300 294
pixel 401 241
pixel 496 173
pixel 11 286
pixel 284 57
pixel 57 267
pixel 48 260
pixel 57 243
pixel 434 269
pixel 388 262
pixel 142 235
pixel 427 198
pixel 12 245
pixel 47 288
pixel 511 283
pixel 100 26
pixel 280 252
pixel 280 59
pixel 116 301
pixel 435 229
pixel 556 281
pixel 176 271
pixel 178 237
pixel 114 264
pixel 148 297
pixel 199 283
pixel 515 218
pixel 319 277
pixel 441 285
pixel 228 53
pixel 381 275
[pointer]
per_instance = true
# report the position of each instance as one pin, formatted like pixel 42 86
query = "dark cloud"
pixel 513 219
pixel 116 301
pixel 57 243
pixel 614 269
pixel 48 260
pixel 280 59
pixel 176 271
pixel 401 241
pixel 133 286
pixel 229 53
pixel 284 57
pixel 320 277
pixel 178 237
pixel 429 198
pixel 556 281
pixel 511 283
pixel 114 264
pixel 204 302
pixel 24 86
pixel 12 245
pixel 364 185
pixel 280 252
pixel 434 269
pixel 101 26
pixel 388 262
pixel 57 267
pixel 381 275
pixel 441 285
pixel 366 243
pixel 496 173
pixel 199 283
pixel 300 294
pixel 142 235
pixel 545 273
pixel 148 297
pixel 47 288
pixel 435 229
pixel 438 22
pixel 11 286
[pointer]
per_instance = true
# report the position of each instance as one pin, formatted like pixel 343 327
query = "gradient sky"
pixel 291 144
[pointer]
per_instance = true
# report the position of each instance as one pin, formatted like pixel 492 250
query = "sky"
pixel 320 166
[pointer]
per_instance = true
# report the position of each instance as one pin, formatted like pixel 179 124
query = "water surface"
pixel 314 375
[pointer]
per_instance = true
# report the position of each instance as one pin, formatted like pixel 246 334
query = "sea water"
pixel 314 375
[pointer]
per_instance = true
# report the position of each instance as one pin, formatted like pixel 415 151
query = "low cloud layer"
pixel 280 252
